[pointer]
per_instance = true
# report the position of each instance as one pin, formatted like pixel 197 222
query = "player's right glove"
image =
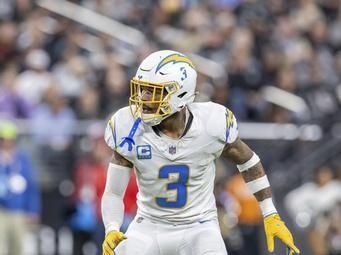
pixel 112 239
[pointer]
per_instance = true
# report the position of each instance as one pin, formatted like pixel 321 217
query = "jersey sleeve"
pixel 110 133
pixel 222 123
pixel 118 127
pixel 231 132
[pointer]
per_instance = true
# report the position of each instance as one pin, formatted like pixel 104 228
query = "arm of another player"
pixel 112 201
pixel 253 173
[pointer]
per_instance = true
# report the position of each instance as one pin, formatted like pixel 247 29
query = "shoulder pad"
pixel 221 123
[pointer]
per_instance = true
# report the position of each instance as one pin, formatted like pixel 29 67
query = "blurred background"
pixel 65 68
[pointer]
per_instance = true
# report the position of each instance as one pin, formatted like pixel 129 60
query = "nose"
pixel 146 95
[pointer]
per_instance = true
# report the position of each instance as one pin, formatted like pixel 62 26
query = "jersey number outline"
pixel 180 185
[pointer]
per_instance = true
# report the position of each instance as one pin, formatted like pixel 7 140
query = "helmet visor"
pixel 150 101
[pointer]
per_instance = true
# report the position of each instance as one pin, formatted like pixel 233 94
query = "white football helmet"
pixel 164 83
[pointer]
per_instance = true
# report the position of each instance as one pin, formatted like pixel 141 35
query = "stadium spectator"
pixel 33 82
pixel 73 76
pixel 52 128
pixel 19 192
pixel 53 121
pixel 12 105
pixel 115 89
pixel 88 104
pixel 314 206
pixel 8 51
pixel 89 179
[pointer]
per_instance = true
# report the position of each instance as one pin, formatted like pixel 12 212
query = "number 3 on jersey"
pixel 179 185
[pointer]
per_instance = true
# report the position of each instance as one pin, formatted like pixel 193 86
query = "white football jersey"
pixel 175 177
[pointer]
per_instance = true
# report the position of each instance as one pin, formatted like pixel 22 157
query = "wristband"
pixel 267 207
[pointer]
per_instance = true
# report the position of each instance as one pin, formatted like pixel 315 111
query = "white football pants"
pixel 148 238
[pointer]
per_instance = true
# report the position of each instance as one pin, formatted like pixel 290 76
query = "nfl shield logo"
pixel 172 149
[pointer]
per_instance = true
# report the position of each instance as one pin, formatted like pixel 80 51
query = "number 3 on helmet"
pixel 163 85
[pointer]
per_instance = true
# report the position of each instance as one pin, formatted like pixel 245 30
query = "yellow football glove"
pixel 275 227
pixel 112 239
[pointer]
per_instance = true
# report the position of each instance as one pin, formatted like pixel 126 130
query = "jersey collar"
pixel 187 127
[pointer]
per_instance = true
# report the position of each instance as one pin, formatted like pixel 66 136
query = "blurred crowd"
pixel 316 207
pixel 293 45
pixel 55 72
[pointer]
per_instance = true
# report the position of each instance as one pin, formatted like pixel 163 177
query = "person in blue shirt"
pixel 19 193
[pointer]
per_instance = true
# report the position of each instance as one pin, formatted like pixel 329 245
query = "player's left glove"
pixel 275 227
pixel 112 239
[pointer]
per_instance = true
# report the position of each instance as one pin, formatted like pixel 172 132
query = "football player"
pixel 172 144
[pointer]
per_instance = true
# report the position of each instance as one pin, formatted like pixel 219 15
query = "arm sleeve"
pixel 112 199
